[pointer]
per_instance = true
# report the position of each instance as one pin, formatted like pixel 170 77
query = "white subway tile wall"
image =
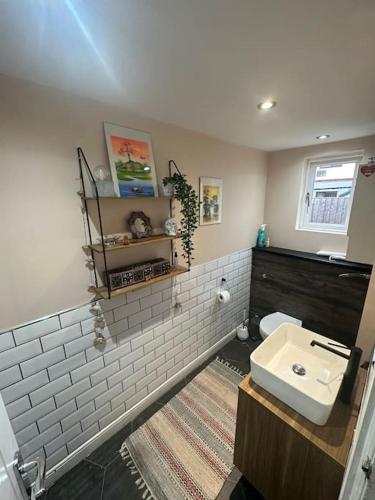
pixel 60 390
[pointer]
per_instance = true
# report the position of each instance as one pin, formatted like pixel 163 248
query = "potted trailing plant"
pixel 186 195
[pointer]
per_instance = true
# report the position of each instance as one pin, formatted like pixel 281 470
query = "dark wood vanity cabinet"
pixel 286 457
pixel 308 287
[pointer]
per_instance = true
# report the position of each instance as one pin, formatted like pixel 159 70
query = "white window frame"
pixel 307 186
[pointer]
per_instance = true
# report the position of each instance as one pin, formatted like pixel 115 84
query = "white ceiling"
pixel 205 64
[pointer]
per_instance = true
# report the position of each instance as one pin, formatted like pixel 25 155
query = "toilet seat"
pixel 269 323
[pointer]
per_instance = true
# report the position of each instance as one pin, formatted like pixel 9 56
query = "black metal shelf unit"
pixel 84 164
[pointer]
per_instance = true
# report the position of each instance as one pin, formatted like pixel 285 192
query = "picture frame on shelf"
pixel 140 225
pixel 131 162
pixel 211 200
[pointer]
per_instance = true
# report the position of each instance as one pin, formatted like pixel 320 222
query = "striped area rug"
pixel 185 450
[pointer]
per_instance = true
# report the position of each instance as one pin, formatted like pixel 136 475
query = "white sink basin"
pixel 312 394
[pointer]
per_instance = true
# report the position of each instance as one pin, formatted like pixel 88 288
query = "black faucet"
pixel 350 374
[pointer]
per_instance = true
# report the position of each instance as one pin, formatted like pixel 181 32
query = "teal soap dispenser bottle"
pixel 261 241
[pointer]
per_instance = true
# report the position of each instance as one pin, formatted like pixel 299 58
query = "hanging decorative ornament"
pixel 368 169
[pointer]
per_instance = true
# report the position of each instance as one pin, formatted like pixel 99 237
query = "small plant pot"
pixel 166 190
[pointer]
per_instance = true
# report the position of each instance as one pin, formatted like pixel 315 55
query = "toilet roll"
pixel 223 296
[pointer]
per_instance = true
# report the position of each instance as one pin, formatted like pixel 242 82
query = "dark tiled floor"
pixel 103 475
pixel 244 491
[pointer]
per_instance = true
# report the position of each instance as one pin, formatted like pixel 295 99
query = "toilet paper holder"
pixel 223 284
pixel 223 294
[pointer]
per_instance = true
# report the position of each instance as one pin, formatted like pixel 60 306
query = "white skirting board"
pixel 88 447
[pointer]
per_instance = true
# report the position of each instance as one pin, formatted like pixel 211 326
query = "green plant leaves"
pixel 186 195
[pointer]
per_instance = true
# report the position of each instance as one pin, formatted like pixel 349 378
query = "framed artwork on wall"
pixel 131 160
pixel 211 200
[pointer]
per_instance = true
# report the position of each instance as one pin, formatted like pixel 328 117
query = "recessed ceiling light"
pixel 323 136
pixel 266 105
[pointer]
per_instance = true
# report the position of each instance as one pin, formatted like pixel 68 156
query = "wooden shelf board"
pixel 128 198
pixel 102 292
pixel 133 243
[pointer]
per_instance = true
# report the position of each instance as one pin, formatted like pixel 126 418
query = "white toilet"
pixel 269 323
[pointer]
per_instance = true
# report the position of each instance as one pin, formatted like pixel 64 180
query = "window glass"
pixel 331 193
pixel 328 193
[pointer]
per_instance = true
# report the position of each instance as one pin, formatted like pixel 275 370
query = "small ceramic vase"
pixel 170 226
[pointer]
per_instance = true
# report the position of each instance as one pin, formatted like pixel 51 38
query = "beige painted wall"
pixel 361 230
pixel 42 263
pixel 285 173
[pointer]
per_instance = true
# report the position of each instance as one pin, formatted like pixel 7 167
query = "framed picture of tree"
pixel 211 200
pixel 132 161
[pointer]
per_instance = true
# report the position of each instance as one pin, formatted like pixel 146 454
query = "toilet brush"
pixel 242 333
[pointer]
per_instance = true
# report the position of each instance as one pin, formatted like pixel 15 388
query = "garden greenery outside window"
pixel 327 194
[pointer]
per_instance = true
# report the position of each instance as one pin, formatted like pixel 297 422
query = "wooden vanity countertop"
pixel 334 438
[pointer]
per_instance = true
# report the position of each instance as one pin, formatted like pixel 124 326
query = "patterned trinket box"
pixel 137 273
